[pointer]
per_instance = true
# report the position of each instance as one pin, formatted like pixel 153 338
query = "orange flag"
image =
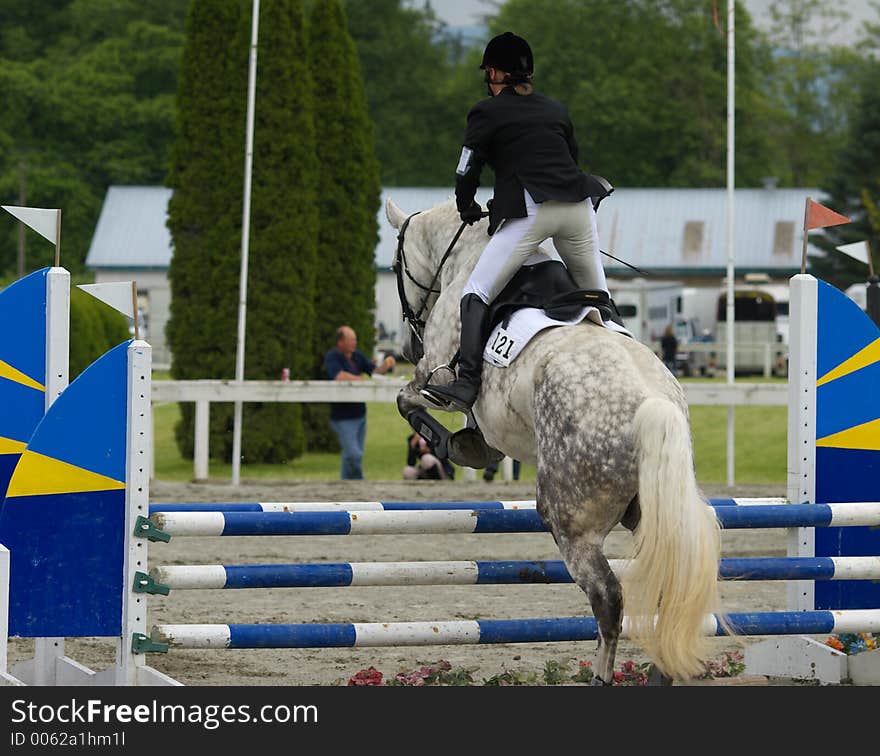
pixel 819 216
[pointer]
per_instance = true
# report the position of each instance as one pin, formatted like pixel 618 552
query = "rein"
pixel 413 318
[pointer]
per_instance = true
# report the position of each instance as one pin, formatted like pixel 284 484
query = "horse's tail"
pixel 677 545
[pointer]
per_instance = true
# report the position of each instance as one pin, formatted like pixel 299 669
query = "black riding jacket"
pixel 528 140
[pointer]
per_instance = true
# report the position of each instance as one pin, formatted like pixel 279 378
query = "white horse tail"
pixel 676 546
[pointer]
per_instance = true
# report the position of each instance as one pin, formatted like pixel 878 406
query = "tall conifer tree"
pixel 205 217
pixel 204 213
pixel 348 198
pixel 284 229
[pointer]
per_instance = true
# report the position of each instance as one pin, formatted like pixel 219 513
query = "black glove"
pixel 472 214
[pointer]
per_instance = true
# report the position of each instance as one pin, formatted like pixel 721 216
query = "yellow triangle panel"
pixel 38 475
pixel 864 357
pixel 865 436
pixel 9 372
pixel 11 446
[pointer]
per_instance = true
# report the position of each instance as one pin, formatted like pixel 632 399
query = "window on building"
pixel 783 238
pixel 692 242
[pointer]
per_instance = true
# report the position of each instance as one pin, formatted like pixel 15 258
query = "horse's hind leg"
pixel 590 570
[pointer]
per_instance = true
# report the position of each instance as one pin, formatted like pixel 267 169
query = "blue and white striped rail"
pixel 480 521
pixel 387 506
pixel 471 632
pixel 330 575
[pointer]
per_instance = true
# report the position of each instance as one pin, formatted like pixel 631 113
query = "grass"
pixel 760 448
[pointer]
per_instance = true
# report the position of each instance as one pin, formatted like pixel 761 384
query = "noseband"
pixel 415 318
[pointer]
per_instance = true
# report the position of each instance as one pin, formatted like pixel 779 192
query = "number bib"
pixel 502 346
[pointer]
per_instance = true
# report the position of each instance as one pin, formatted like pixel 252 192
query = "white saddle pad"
pixel 505 344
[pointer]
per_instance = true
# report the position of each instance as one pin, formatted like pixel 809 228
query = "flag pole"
pixel 58 239
pixel 134 309
pixel 245 239
pixel 806 225
pixel 730 310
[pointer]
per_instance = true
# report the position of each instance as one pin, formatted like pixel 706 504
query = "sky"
pixel 469 12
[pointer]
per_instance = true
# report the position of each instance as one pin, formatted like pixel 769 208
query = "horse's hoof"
pixel 468 449
pixel 657 678
pixel 599 682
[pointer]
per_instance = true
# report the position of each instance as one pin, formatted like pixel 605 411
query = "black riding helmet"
pixel 510 53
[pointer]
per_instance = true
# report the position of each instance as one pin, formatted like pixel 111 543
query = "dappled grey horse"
pixel 606 425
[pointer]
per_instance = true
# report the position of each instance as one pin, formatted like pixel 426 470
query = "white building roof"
pixel 131 230
pixel 674 232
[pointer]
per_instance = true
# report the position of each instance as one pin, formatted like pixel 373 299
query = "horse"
pixel 607 427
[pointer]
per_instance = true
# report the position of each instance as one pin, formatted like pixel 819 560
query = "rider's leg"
pixel 577 241
pixel 509 247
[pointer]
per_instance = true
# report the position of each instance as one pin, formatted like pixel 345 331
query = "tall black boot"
pixel 462 392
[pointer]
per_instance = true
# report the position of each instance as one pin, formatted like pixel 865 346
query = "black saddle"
pixel 549 286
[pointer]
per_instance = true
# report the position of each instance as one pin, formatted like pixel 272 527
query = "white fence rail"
pixel 384 389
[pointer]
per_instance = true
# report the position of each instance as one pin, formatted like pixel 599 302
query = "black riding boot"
pixel 462 392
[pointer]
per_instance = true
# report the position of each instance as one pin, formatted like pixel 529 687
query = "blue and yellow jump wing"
pixel 63 519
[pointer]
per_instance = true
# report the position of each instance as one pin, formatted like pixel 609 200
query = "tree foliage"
pixel 205 218
pixel 348 195
pixel 204 213
pixel 88 100
pixel 854 189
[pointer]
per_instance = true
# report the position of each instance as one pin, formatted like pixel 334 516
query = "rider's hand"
pixel 472 214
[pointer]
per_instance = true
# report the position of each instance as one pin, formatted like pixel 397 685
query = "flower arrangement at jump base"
pixel 854 643
pixel 554 673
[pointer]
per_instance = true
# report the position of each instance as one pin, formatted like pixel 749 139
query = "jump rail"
pixel 330 575
pixel 480 521
pixel 470 632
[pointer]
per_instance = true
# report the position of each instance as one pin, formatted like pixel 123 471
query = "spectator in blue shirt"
pixel 349 419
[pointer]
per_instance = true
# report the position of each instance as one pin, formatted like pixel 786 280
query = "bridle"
pixel 415 319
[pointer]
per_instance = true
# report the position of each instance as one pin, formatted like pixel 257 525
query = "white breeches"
pixel 571 225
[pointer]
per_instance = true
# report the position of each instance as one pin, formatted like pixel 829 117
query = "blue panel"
pixel 91 410
pixel 66 555
pixel 848 594
pixel 288 575
pixel 23 325
pixel 23 408
pixel 843 328
pixel 292 636
pixel 286 523
pixel 847 475
pixel 7 467
pixel 848 401
pixel 510 521
pixel 522 572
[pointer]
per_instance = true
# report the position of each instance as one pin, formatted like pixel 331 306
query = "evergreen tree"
pixel 348 200
pixel 284 230
pixel 204 213
pixel 854 190
pixel 205 217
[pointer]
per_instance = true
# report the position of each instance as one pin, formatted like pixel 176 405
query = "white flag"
pixel 858 251
pixel 41 220
pixel 117 295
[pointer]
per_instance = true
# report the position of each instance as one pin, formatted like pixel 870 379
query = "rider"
pixel 540 192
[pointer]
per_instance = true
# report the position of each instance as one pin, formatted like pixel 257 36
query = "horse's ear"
pixel 395 215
